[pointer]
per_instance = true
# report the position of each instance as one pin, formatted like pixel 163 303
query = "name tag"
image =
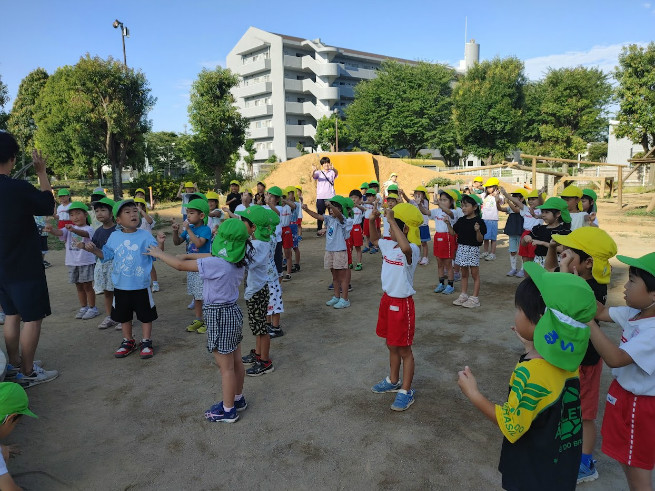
pixel 394 308
pixel 611 399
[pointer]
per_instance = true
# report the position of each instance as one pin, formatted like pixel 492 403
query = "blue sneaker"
pixel 217 414
pixel 365 250
pixel 587 474
pixel 385 385
pixel 241 404
pixel 373 250
pixel 332 301
pixel 441 287
pixel 342 304
pixel 457 277
pixel 448 290
pixel 331 286
pixel 403 401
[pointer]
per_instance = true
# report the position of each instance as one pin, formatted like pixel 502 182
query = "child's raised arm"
pixel 469 387
pixel 313 214
pixel 614 356
pixel 53 230
pixel 401 238
pixel 77 231
pixel 177 240
pixel 172 261
pixel 373 234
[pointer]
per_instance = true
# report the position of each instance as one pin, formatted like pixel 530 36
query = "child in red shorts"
pixel 396 319
pixel 356 238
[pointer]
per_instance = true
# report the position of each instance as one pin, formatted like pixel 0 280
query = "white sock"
pixel 519 263
pixel 227 409
pixel 402 391
pixel 512 261
pixel 237 397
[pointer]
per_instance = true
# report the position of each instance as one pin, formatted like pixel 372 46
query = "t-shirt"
pixel 220 280
pixel 426 204
pixel 101 235
pixel 489 209
pixel 235 203
pixel 74 255
pixel 397 275
pixel 285 215
pixel 62 212
pixel 147 226
pixel 530 219
pixel 3 465
pixel 542 232
pixel 278 227
pixel 337 233
pixel 638 340
pixel 542 425
pixel 240 207
pixel 20 245
pixel 295 213
pixel 466 234
pixel 440 218
pixel 369 210
pixel 577 220
pixel 214 222
pixel 272 269
pixel 591 356
pixel 201 231
pixel 131 267
pixel 257 268
pixel 358 216
pixel 185 200
pixel 325 183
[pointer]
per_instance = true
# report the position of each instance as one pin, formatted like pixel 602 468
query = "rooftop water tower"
pixel 471 54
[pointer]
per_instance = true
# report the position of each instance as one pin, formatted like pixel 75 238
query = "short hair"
pixel 337 205
pixel 467 199
pixel 400 223
pixel 8 147
pixel 581 254
pixel 555 212
pixel 97 205
pixel 355 192
pixel 528 299
pixel 648 278
pixel 325 160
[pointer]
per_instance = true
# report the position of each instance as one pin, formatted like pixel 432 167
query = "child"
pixel 80 263
pixel 189 188
pixel 287 205
pixel 222 272
pixel 514 225
pixel 629 423
pixel 102 283
pixel 275 303
pixel 356 239
pixel 61 215
pixel 490 217
pixel 531 218
pixel 43 237
pixel 540 420
pixel 470 230
pixel 13 405
pixel 293 226
pixel 147 223
pixel 274 198
pixel 300 201
pixel 370 204
pixel 367 204
pixel 556 221
pixel 336 258
pixel 260 195
pixel 392 200
pixel 130 275
pixel 197 236
pixel 572 195
pixel 234 198
pixel 421 200
pixel 215 214
pixel 396 318
pixel 477 185
pixel 96 195
pixel 140 193
pixel 589 198
pixel 445 242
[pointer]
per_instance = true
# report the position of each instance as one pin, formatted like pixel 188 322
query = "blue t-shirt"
pixel 131 268
pixel 202 231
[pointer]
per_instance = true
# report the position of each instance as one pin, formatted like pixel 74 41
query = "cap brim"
pixel 29 413
pixel 535 271
pixel 567 241
pixel 637 263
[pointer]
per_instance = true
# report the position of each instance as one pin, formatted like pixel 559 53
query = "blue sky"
pixel 172 41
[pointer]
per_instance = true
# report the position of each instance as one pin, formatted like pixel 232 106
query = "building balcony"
pixel 264 154
pixel 253 89
pixel 320 69
pixel 361 73
pixel 258 133
pixel 347 91
pixel 256 111
pixel 253 67
pixel 304 108
pixel 299 130
pixel 292 62
pixel 308 86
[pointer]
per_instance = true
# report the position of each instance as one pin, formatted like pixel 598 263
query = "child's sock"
pixel 450 282
pixel 227 409
pixel 587 459
pixel 442 280
pixel 519 263
pixel 512 261
pixel 237 397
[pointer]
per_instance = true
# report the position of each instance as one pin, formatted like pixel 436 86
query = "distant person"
pixel 393 178
pixel 234 199
pixel 325 175
pixel 260 195
pixel 187 189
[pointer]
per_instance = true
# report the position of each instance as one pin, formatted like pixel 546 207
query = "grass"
pixel 640 212
pixel 425 162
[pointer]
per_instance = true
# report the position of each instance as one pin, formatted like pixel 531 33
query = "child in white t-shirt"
pixel 531 218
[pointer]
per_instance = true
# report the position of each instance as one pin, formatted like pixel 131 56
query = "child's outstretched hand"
pixel 175 226
pixel 88 246
pixel 375 213
pixel 590 217
pixel 467 382
pixel 305 207
pixel 69 226
pixel 388 212
pixel 153 251
pixel 476 226
pixel 48 228
pixel 185 225
pixel 527 239
pixel 226 209
pixel 161 238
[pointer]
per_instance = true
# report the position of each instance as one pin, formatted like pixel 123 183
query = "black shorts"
pixel 128 302
pixel 278 258
pixel 27 298
pixel 44 243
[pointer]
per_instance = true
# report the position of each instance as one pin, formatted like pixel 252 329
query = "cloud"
pixel 647 5
pixel 602 57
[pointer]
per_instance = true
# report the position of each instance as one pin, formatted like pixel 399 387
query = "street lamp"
pixel 125 32
pixel 336 130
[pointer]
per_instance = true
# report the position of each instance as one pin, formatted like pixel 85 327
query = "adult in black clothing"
pixel 234 198
pixel 23 286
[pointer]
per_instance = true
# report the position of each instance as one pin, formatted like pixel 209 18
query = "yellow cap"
pixel 571 192
pixel 189 184
pixel 212 195
pixel 421 188
pixel 522 192
pixel 289 189
pixel 452 194
pixel 139 190
pixel 298 188
pixel 492 181
pixel 392 196
pixel 595 242
pixel 140 200
pixel 478 179
pixel 234 181
pixel 412 217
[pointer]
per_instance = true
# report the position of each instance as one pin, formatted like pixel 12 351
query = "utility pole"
pixel 125 32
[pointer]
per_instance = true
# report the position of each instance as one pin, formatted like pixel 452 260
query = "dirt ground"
pixel 110 424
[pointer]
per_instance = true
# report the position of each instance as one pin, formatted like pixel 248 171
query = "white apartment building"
pixel 289 83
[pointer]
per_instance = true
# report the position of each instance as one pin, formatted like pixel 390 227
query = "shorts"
pixel 492 229
pixel 287 238
pixel 278 258
pixel 128 302
pixel 590 389
pixel 275 304
pixel 294 234
pixel 81 274
pixel 366 228
pixel 194 285
pixel 224 323
pixel 514 242
pixel 528 249
pixel 102 281
pixel 335 260
pixel 43 239
pixel 299 222
pixel 467 255
pixel 424 232
pixel 257 308
pixel 396 320
pixel 629 428
pixel 445 245
pixel 27 298
pixel 356 236
pixel 540 260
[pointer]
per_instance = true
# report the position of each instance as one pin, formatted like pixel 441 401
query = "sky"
pixel 172 41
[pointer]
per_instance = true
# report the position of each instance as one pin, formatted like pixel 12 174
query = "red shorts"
pixel 287 238
pixel 629 428
pixel 299 221
pixel 396 320
pixel 356 236
pixel 590 389
pixel 366 229
pixel 528 249
pixel 445 245
pixel 63 223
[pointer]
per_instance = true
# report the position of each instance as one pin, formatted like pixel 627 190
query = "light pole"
pixel 125 32
pixel 170 157
pixel 336 130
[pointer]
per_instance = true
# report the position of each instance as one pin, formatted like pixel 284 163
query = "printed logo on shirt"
pixel 74 241
pixel 125 259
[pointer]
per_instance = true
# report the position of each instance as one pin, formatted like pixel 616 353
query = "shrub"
pixel 441 182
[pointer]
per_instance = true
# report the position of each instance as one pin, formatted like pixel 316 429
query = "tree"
pixel 4 98
pixel 165 152
pixel 218 127
pixel 488 103
pixel 597 152
pixel 249 158
pixel 405 106
pixel 93 113
pixel 325 136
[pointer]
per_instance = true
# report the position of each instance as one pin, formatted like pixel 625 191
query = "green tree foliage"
pixel 325 136
pixel 4 98
pixel 488 107
pixel 405 106
pixel 597 152
pixel 165 152
pixel 92 113
pixel 218 127
pixel 249 158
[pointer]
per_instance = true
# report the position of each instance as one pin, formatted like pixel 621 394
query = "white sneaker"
pixel 511 272
pixel 39 376
pixel 424 261
pixel 155 286
pixel 191 305
pixel 484 254
pixel 490 257
pixel 471 302
pixel 520 274
pixel 107 323
pixel 90 313
pixel 81 312
pixel 463 297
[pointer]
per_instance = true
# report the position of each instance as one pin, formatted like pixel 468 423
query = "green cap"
pixel 364 185
pixel 561 336
pixel 647 262
pixel 63 192
pixel 197 195
pixel 104 201
pixel 263 218
pixel 370 191
pixel 120 204
pixel 591 193
pixel 230 240
pixel 555 203
pixel 374 182
pixel 78 205
pixel 275 191
pixel 200 205
pixel 475 198
pixel 392 187
pixel 13 400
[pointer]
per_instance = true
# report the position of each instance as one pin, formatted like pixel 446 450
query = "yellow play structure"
pixel 354 168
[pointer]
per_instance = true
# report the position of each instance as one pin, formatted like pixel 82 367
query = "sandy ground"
pixel 110 424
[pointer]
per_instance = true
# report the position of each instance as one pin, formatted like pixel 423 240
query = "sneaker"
pixel 331 286
pixel 250 358
pixel 350 266
pixel 350 287
pixel 342 304
pixel 358 267
pixel 403 401
pixel 3 317
pixel 295 268
pixel 373 250
pixel 286 277
pixel 195 325
pixel 155 286
pixel 260 368
pixel 587 474
pixel 90 313
pixel 520 274
pixel 448 290
pixel 463 297
pixel 490 257
pixel 385 385
pixel 118 327
pixel 511 272
pixel 81 312
pixel 38 376
pixel 332 301
pixel 216 414
pixel 471 303
pixel 365 250
pixel 12 371
pixel 107 323
pixel 145 347
pixel 126 347
pixel 241 404
pixel 202 329
pixel 275 332
pixel 423 261
pixel 484 254
pixel 457 276
pixel 192 305
pixel 440 287
pixel 46 264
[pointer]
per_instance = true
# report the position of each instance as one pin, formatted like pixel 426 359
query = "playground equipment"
pixel 353 167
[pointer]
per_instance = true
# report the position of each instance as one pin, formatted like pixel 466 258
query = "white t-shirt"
pixel 489 209
pixel 530 219
pixel 62 212
pixel 440 218
pixel 147 226
pixel 577 220
pixel 397 276
pixel 358 216
pixel 278 227
pixel 369 210
pixel 386 230
pixel 258 273
pixel 3 466
pixel 240 207
pixel 337 233
pixel 426 204
pixel 285 215
pixel 638 340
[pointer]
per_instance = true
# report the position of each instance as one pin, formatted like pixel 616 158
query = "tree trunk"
pixel 218 174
